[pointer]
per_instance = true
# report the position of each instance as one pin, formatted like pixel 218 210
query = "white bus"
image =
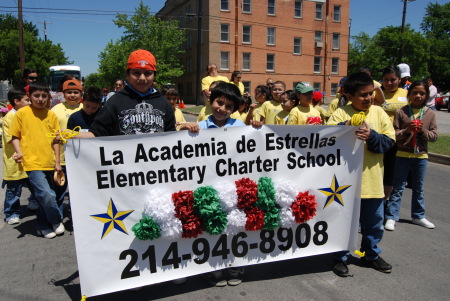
pixel 57 72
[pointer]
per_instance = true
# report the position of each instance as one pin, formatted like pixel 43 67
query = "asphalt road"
pixel 34 268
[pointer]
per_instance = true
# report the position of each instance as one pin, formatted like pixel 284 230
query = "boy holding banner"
pixel 377 132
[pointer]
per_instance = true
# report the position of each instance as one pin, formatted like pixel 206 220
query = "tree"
pixel 39 54
pixel 144 31
pixel 383 48
pixel 96 80
pixel 436 26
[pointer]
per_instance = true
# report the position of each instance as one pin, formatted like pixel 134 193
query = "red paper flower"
pixel 255 219
pixel 304 207
pixel 184 211
pixel 247 192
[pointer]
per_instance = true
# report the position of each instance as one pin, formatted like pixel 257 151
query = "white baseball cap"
pixel 404 70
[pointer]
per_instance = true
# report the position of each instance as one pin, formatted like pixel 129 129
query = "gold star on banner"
pixel 333 192
pixel 112 219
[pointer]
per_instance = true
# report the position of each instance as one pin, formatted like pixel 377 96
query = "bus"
pixel 57 72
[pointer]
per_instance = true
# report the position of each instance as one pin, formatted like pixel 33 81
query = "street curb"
pixel 440 159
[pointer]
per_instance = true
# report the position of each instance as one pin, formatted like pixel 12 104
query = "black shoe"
pixel 378 264
pixel 340 269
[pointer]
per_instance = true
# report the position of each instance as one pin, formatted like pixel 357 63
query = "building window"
pixel 297 45
pixel 334 89
pixel 246 61
pixel 335 65
pixel 225 5
pixel 225 33
pixel 298 6
pixel 180 89
pixel 188 13
pixel 189 41
pixel 316 86
pixel 271 7
pixel 336 43
pixel 270 35
pixel 189 65
pixel 337 13
pixel 318 36
pixel 317 64
pixel 319 11
pixel 247 86
pixel 270 65
pixel 246 34
pixel 224 60
pixel 247 6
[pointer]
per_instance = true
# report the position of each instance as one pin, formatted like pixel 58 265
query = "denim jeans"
pixel 61 191
pixel 12 197
pixel 371 220
pixel 418 169
pixel 43 187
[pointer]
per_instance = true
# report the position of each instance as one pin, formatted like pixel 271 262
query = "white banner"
pixel 114 180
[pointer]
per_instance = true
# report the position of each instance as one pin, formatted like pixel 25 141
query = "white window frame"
pixel 319 58
pixel 337 16
pixel 224 60
pixel 224 30
pixel 318 36
pixel 226 3
pixel 298 45
pixel 247 86
pixel 334 65
pixel 244 34
pixel 271 7
pixel 272 62
pixel 269 36
pixel 247 3
pixel 333 89
pixel 300 4
pixel 319 10
pixel 336 41
pixel 317 86
pixel 246 60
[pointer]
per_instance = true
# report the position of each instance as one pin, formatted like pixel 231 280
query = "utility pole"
pixel 45 29
pixel 198 90
pixel 21 44
pixel 400 54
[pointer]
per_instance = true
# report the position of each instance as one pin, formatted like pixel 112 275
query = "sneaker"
pixel 236 276
pixel 33 205
pixel 47 233
pixel 58 228
pixel 390 225
pixel 378 264
pixel 341 269
pixel 13 221
pixel 215 278
pixel 179 281
pixel 423 222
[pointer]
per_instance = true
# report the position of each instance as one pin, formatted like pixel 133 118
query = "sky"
pixel 84 34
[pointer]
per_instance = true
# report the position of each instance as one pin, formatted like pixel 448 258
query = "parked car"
pixel 441 101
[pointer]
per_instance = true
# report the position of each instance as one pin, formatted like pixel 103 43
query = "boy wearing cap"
pixel 405 74
pixel 300 114
pixel 138 108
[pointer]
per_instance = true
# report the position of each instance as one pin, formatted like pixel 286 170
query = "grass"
pixel 441 146
pixel 194 109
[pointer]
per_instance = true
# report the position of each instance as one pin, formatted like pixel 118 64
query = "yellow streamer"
pixel 361 254
pixel 83 298
pixel 66 134
pixel 358 119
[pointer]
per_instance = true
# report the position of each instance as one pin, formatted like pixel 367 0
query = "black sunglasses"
pixel 32 77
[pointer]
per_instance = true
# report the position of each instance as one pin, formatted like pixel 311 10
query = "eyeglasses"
pixel 118 85
pixel 32 77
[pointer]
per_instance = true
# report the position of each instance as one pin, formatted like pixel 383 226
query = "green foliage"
pixel 39 54
pixel 383 50
pixel 97 80
pixel 436 26
pixel 144 31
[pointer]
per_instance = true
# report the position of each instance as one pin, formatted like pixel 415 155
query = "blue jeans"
pixel 12 197
pixel 43 187
pixel 371 220
pixel 418 169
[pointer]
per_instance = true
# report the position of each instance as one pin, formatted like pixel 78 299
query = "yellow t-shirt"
pixel 204 112
pixel 269 110
pixel 31 126
pixel 323 113
pixel 240 86
pixel 299 114
pixel 241 116
pixel 394 101
pixel 373 168
pixel 208 80
pixel 179 117
pixel 332 106
pixel 11 170
pixel 282 117
pixel 256 116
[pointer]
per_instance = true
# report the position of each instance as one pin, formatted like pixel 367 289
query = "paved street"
pixel 34 268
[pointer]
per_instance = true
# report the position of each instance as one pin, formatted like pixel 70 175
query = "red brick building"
pixel 287 40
